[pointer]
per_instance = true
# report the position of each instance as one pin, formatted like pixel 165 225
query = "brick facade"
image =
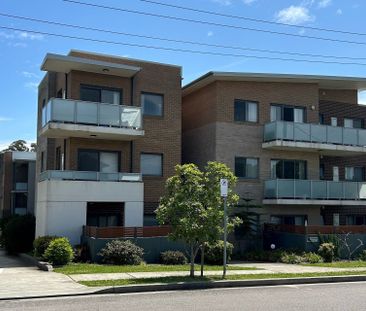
pixel 162 134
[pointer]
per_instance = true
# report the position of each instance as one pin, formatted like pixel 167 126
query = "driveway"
pixel 20 279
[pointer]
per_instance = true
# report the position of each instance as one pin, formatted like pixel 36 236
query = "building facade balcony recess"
pixel 76 118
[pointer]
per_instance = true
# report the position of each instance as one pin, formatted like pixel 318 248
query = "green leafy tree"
pixel 18 145
pixel 193 206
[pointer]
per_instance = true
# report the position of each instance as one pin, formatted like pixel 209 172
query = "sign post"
pixel 223 191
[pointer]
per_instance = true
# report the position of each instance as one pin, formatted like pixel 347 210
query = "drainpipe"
pixel 132 104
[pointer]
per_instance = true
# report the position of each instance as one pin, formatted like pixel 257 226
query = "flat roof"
pixel 122 58
pixel 326 82
pixel 62 63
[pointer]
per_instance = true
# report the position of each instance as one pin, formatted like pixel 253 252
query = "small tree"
pixel 192 205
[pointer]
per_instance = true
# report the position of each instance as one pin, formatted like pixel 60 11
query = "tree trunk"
pixel 202 258
pixel 192 262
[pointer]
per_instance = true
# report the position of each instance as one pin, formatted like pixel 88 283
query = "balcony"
pixel 314 192
pixel 75 118
pixel 90 176
pixel 329 140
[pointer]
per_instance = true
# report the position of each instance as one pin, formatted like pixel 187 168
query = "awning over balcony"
pixel 61 63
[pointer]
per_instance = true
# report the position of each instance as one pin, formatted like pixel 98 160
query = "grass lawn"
pixel 179 279
pixel 81 268
pixel 341 264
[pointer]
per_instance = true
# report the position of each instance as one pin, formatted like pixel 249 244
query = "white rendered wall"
pixel 61 205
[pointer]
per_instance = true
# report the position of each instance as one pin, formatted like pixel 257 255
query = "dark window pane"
pixel 288 114
pixel 88 161
pixel 321 118
pixel 151 164
pixel 20 200
pixel 300 170
pixel 110 97
pixel 152 104
pixel 289 169
pixel 360 220
pixel 357 123
pixel 240 165
pixel 358 174
pixel 321 172
pixel 239 110
pixel 90 94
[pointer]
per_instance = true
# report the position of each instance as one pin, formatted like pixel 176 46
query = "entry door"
pixel 335 173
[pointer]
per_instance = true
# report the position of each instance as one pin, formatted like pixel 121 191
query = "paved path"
pixel 263 268
pixel 19 279
pixel 332 297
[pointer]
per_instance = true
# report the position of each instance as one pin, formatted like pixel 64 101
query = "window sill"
pixel 246 123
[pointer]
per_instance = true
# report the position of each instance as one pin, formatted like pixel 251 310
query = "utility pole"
pixel 223 190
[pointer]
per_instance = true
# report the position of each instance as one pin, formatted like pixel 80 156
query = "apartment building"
pixel 17 183
pixel 109 134
pixel 296 142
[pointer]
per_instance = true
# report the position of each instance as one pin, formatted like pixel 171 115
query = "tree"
pixel 18 145
pixel 247 211
pixel 33 147
pixel 192 205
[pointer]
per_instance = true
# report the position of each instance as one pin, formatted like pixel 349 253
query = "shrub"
pixel 326 250
pixel 40 245
pixel 173 258
pixel 121 253
pixel 59 252
pixel 18 234
pixel 291 258
pixel 362 255
pixel 214 252
pixel 312 258
pixel 81 253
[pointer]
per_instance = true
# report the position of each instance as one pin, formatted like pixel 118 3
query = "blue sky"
pixel 21 53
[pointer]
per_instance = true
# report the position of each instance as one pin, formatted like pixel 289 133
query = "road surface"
pixel 341 296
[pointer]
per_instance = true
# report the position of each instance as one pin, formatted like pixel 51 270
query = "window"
pixel 152 104
pixel 98 161
pixel 42 162
pixel 246 167
pixel 151 164
pixel 353 123
pixel 287 113
pixel 333 121
pixel 100 94
pixel 321 118
pixel 356 220
pixel 288 169
pixel 245 111
pixel 105 214
pixel 354 173
pixel 297 220
pixel 322 171
pixel 58 158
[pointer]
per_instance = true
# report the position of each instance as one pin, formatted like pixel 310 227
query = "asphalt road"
pixel 341 296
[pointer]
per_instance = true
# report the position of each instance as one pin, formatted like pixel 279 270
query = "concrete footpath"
pixel 19 279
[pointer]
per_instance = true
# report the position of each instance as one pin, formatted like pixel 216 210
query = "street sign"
pixel 223 187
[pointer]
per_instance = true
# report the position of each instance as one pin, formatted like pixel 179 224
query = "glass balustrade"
pixel 314 189
pixel 91 113
pixel 314 133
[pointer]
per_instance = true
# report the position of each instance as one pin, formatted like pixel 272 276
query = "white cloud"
pixel 2 119
pixel 28 74
pixel 295 15
pixel 30 36
pixel 210 34
pixel 324 3
pixel 362 98
pixel 19 38
pixel 249 2
pixel 339 12
pixel 32 85
pixel 223 2
pixel 302 31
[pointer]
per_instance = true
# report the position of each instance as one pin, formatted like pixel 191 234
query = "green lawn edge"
pixel 83 268
pixel 187 279
pixel 339 264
